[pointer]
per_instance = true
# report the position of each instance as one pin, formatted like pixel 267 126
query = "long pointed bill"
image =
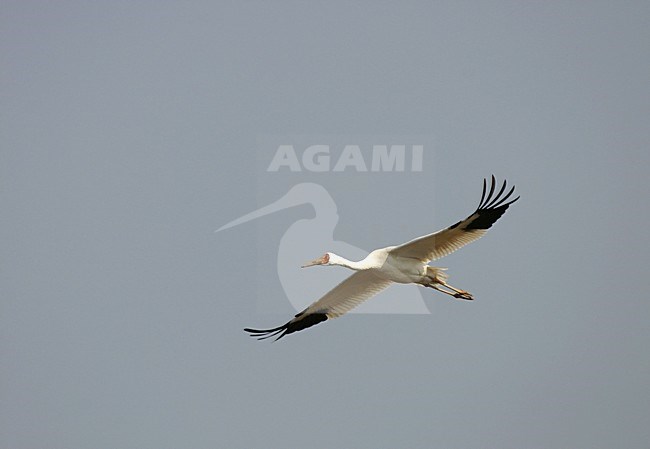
pixel 311 263
pixel 320 261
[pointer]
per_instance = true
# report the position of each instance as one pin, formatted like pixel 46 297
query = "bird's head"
pixel 323 260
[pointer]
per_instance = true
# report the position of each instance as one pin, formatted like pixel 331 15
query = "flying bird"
pixel 404 264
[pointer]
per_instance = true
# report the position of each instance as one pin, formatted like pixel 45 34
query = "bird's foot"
pixel 462 294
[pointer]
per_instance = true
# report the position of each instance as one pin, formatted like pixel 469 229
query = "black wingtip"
pixel 491 208
pixel 300 322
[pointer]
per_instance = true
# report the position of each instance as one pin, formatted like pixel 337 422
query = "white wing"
pixel 354 290
pixel 446 241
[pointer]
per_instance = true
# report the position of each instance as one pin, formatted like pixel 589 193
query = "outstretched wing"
pixel 441 243
pixel 358 287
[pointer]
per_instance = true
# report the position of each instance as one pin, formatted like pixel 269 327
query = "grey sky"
pixel 130 132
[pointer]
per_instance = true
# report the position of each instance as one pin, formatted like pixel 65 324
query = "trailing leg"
pixel 437 278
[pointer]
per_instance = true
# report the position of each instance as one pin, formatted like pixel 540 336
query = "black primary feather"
pixel 489 209
pixel 300 322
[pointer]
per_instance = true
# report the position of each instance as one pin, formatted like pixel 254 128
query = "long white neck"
pixel 342 261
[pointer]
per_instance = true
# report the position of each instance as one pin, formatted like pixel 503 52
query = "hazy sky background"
pixel 129 133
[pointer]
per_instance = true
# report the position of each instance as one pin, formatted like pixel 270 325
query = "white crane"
pixel 404 264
